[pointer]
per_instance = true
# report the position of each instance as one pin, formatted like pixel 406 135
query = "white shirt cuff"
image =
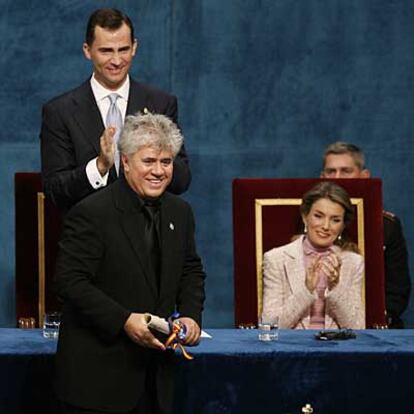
pixel 94 176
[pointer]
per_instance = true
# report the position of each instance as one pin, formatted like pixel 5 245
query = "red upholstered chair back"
pixel 266 215
pixel 37 231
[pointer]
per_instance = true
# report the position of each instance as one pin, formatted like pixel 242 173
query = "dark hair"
pixel 111 19
pixel 337 194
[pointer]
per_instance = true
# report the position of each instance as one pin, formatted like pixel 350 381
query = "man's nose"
pixel 157 169
pixel 116 59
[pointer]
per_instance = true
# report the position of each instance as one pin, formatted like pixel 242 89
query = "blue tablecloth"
pixel 236 373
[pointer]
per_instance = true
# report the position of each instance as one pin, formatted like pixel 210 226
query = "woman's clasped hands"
pixel 329 266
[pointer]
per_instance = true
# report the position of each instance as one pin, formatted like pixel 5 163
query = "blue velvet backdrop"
pixel 263 87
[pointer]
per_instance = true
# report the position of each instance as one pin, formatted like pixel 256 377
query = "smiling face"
pixel 149 171
pixel 324 222
pixel 111 53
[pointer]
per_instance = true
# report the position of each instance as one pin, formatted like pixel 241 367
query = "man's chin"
pixel 154 193
pixel 113 81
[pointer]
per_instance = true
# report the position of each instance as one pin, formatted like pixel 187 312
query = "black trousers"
pixel 147 404
pixel 144 407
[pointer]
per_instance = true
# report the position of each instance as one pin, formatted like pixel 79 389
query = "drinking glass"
pixel 268 330
pixel 51 323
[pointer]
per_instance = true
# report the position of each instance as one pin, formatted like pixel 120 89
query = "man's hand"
pixel 106 158
pixel 193 331
pixel 138 331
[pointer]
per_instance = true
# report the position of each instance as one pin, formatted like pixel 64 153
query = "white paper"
pixel 157 323
pixel 161 325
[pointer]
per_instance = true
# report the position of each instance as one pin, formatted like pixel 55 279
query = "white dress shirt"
pixel 102 100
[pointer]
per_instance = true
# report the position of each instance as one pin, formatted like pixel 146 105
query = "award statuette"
pixel 175 330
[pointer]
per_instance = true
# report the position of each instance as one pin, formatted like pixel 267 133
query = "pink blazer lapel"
pixel 294 265
pixel 295 271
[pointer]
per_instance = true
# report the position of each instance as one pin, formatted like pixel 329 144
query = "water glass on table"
pixel 51 324
pixel 268 330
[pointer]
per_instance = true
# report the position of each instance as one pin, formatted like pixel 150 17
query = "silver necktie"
pixel 114 119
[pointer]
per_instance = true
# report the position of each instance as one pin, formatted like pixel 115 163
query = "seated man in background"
pixel 127 250
pixel 344 160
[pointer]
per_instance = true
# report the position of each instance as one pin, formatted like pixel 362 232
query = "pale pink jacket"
pixel 285 294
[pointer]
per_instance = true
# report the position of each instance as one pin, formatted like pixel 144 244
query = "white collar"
pixel 100 92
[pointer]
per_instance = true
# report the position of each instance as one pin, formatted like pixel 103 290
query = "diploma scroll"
pixel 161 325
pixel 157 323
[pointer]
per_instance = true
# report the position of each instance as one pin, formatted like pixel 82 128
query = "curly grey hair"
pixel 154 130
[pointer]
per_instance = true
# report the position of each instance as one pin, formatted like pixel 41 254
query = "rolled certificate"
pixel 161 325
pixel 157 323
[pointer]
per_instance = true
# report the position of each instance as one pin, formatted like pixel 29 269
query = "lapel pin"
pixel 171 226
pixel 145 110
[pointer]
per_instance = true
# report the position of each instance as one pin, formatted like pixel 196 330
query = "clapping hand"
pixel 312 275
pixel 106 157
pixel 331 266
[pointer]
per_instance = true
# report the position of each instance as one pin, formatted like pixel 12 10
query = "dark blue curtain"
pixel 263 87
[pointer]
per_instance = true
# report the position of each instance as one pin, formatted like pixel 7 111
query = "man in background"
pixel 344 160
pixel 125 251
pixel 81 127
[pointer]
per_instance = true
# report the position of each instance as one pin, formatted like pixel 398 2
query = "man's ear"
pixel 86 51
pixel 365 173
pixel 135 46
pixel 125 163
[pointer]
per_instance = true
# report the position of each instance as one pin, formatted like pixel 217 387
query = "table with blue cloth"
pixel 236 373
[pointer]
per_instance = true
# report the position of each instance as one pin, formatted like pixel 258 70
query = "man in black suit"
pixel 343 160
pixel 110 273
pixel 78 150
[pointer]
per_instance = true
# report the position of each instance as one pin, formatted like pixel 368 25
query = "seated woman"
pixel 315 282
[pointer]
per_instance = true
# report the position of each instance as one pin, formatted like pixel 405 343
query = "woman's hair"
pixel 336 194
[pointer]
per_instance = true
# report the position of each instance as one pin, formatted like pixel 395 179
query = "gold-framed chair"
pixel 37 229
pixel 266 215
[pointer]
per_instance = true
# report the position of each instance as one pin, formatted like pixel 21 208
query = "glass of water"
pixel 51 323
pixel 268 330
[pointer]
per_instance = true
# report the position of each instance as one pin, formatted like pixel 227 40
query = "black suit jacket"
pixel 102 276
pixel 70 132
pixel 397 275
